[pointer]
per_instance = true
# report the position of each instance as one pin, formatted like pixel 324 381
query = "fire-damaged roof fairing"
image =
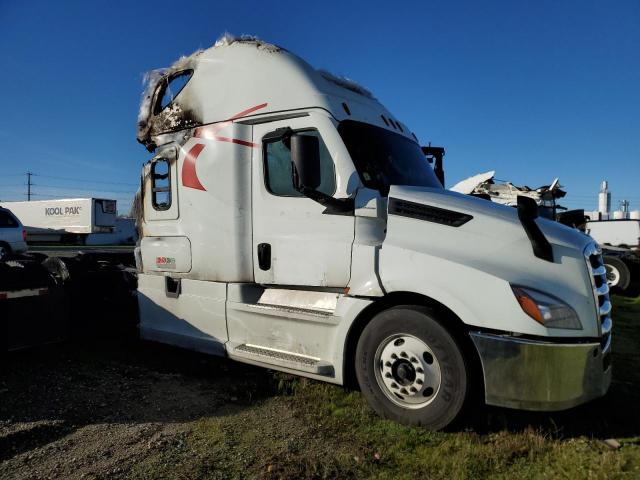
pixel 236 74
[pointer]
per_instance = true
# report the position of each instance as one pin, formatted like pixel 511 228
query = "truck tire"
pixel 411 369
pixel 618 273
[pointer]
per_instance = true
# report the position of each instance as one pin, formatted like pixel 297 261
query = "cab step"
pixel 281 358
pixel 285 311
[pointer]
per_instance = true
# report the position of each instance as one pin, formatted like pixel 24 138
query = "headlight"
pixel 546 310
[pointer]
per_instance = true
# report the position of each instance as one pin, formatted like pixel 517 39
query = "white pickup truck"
pixel 289 220
pixel 12 235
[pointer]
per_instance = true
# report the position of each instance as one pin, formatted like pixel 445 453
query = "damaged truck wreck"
pixel 289 220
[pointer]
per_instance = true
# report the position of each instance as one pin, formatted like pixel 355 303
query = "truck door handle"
pixel 264 256
pixel 172 287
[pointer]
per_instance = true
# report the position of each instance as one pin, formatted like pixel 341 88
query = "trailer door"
pixel 294 243
pixel 104 212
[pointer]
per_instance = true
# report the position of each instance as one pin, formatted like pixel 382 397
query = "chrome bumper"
pixel 537 375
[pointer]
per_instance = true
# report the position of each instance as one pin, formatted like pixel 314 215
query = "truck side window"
pixel 171 88
pixel 279 172
pixel 161 184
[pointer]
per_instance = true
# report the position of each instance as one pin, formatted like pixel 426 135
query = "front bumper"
pixel 537 375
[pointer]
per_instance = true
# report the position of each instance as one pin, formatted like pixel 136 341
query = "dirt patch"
pixel 93 411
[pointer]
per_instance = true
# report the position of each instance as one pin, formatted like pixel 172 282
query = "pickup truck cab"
pixel 289 220
pixel 12 234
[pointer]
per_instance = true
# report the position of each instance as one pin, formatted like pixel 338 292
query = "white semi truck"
pixel 290 221
pixel 68 220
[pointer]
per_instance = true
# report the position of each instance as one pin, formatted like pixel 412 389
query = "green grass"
pixel 309 429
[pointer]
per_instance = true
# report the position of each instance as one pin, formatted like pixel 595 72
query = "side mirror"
pixel 305 156
pixel 527 207
pixel 528 212
pixel 435 154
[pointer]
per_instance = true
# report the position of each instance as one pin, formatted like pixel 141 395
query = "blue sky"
pixel 533 90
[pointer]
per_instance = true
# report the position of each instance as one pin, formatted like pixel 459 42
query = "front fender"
pixel 479 299
pixel 470 266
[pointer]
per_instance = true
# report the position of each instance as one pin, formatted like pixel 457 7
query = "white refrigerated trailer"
pixel 290 221
pixel 64 220
pixel 623 233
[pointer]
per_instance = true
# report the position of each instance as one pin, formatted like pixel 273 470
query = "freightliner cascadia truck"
pixel 289 220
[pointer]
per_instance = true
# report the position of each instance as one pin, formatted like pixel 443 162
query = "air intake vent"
pixel 404 208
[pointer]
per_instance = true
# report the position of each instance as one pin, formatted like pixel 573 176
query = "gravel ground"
pixel 96 410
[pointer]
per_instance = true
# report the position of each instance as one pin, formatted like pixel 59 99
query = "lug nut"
pixel 419 370
pixel 413 390
pixel 394 356
pixel 388 375
pixel 404 391
pixel 388 364
pixel 403 354
pixel 419 381
pixel 414 360
pixel 394 385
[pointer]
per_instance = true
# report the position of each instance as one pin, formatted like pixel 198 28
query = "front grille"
pixel 598 271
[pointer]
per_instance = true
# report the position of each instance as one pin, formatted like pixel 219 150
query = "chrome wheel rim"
pixel 407 371
pixel 613 275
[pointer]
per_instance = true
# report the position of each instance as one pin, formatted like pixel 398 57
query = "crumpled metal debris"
pixel 506 193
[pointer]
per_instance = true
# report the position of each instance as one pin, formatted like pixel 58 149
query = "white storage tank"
pixel 619 215
pixel 635 215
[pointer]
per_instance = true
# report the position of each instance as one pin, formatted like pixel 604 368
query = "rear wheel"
pixel 411 369
pixel 5 251
pixel 618 274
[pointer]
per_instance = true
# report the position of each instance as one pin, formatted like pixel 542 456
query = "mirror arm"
pixel 335 206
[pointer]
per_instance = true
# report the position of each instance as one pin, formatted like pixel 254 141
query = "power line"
pixel 83 180
pixel 48 195
pixel 90 189
pixel 60 187
pixel 87 189
pixel 65 196
pixel 69 179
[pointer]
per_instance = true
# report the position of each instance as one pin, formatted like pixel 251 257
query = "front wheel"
pixel 411 369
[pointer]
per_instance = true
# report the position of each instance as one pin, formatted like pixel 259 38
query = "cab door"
pixel 294 242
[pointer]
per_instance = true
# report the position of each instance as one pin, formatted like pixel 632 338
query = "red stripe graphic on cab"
pixel 189 174
pixel 236 140
pixel 210 132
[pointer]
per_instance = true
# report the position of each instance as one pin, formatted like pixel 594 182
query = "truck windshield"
pixel 384 158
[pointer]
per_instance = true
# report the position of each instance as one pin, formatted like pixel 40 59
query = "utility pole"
pixel 29 186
